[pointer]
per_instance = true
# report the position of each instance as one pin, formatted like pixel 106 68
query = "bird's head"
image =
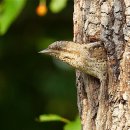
pixel 90 58
pixel 69 52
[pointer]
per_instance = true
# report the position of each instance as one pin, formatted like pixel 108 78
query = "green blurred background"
pixel 32 84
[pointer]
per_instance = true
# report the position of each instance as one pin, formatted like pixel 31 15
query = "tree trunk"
pixel 107 21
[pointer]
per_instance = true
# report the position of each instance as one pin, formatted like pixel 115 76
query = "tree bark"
pixel 107 21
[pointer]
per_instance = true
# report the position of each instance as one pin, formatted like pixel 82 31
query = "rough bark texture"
pixel 105 107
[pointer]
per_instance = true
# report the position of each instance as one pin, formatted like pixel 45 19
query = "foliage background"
pixel 32 84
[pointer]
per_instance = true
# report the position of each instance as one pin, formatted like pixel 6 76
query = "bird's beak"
pixel 45 51
pixel 50 52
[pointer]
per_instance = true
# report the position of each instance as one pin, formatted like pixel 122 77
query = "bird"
pixel 89 58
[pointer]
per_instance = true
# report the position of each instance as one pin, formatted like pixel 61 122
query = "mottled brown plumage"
pixel 89 58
